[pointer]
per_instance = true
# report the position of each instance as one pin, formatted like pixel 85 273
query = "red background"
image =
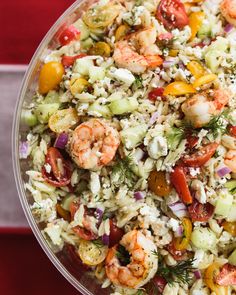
pixel 24 268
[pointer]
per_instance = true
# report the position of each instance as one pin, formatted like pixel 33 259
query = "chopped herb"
pixel 218 124
pixel 138 82
pixel 140 292
pixel 123 255
pixel 98 243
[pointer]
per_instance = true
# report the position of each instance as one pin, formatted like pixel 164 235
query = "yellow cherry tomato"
pixel 101 16
pixel 157 183
pixel 63 213
pixel 50 76
pixel 209 279
pixel 182 243
pixel 63 120
pixel 91 253
pixel 121 31
pixel 173 52
pixel 204 80
pixel 178 88
pixel 78 85
pixel 188 6
pixel 230 227
pixel 195 22
pixel 100 48
pixel 196 69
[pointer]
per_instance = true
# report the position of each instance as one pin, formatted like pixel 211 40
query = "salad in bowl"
pixel 131 146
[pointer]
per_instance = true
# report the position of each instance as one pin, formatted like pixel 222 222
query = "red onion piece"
pixel 153 118
pixel 168 63
pixel 223 171
pixel 181 213
pixel 23 149
pixel 228 28
pixel 61 140
pixel 139 195
pixel 179 209
pixel 98 214
pixel 105 240
pixel 179 231
pixel 197 274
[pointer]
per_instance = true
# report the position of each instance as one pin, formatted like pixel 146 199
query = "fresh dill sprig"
pixel 140 292
pixel 123 255
pixel 217 124
pixel 122 172
pixel 98 243
pixel 138 83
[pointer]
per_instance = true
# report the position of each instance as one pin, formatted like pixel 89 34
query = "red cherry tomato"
pixel 200 157
pixel 192 141
pixel 84 233
pixel 165 36
pixel 116 234
pixel 74 206
pixel 177 254
pixel 232 130
pixel 200 212
pixel 68 35
pixel 172 14
pixel 156 92
pixel 159 283
pixel 60 174
pixel 227 275
pixel 179 181
pixel 68 61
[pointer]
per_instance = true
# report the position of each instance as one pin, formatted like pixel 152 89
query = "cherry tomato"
pixel 165 37
pixel 155 93
pixel 177 254
pixel 192 141
pixel 84 233
pixel 200 212
pixel 63 213
pixel 68 61
pixel 172 14
pixel 200 157
pixel 181 243
pixel 60 174
pixel 227 275
pixel 156 286
pixel 50 76
pixel 68 35
pixel 230 227
pixel 116 234
pixel 232 130
pixel 179 181
pixel 157 183
pixel 74 206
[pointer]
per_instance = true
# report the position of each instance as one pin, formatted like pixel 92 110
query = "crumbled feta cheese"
pixel 48 168
pixel 194 171
pixel 95 185
pixel 124 76
pixel 157 147
pixel 173 224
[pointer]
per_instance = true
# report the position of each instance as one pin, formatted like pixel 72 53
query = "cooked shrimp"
pixel 201 107
pixel 228 10
pixel 94 144
pixel 138 52
pixel 230 160
pixel 142 266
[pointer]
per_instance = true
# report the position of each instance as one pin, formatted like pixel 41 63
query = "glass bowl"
pixel 65 261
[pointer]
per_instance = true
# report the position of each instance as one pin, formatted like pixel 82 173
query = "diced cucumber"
pixel 52 97
pixel 132 136
pixel 231 217
pixel 224 203
pixel 203 238
pixel 44 111
pixel 96 73
pixel 232 258
pixel 213 59
pixel 174 136
pixel 204 31
pixel 220 44
pixel 124 105
pixel 84 31
pixel 86 44
pixel 82 66
pixel 231 185
pixel 67 201
pixel 98 109
pixel 29 118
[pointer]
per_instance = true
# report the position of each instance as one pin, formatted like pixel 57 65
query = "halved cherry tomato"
pixel 181 243
pixel 178 88
pixel 172 14
pixel 153 61
pixel 200 157
pixel 156 92
pixel 177 254
pixel 195 22
pixel 192 141
pixel 68 35
pixel 74 206
pixel 157 183
pixel 200 212
pixel 116 234
pixel 227 275
pixel 60 174
pixel 179 181
pixel 63 213
pixel 230 227
pixel 165 37
pixel 232 130
pixel 68 61
pixel 156 286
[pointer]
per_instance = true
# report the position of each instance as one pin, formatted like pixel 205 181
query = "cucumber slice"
pixel 96 73
pixel 66 202
pixel 82 66
pixel 84 31
pixel 220 44
pixel 213 59
pixel 204 31
pixel 231 217
pixel 86 44
pixel 232 258
pixel 98 109
pixel 224 203
pixel 124 105
pixel 44 111
pixel 132 136
pixel 52 97
pixel 231 185
pixel 203 238
pixel 29 118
